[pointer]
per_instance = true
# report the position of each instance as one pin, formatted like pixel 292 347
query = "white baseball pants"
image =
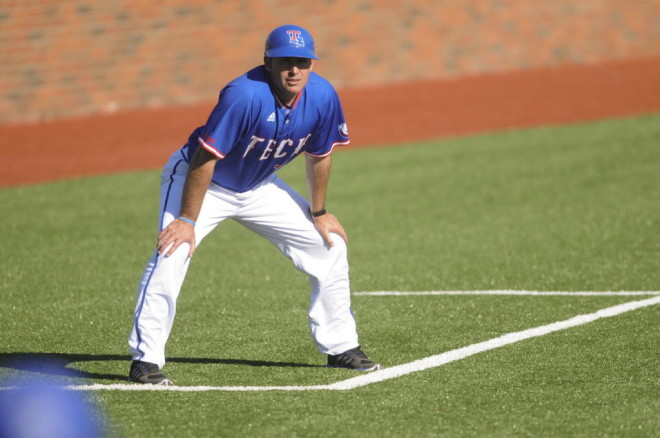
pixel 272 210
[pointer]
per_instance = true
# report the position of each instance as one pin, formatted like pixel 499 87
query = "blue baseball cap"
pixel 290 41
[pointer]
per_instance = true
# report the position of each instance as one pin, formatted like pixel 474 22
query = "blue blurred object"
pixel 41 409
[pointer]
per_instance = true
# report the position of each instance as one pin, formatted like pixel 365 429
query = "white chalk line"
pixel 404 369
pixel 505 292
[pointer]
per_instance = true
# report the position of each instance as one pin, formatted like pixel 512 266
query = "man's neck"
pixel 288 100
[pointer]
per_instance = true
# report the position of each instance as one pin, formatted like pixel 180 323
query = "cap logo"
pixel 295 38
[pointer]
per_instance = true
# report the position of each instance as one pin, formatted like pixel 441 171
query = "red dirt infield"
pixel 390 114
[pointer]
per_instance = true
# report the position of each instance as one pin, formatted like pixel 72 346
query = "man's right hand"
pixel 174 235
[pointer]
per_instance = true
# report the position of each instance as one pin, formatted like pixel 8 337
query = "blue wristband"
pixel 185 219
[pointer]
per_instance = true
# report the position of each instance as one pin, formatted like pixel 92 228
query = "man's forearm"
pixel 197 182
pixel 318 175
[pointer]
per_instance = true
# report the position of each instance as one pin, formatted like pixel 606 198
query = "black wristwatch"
pixel 319 213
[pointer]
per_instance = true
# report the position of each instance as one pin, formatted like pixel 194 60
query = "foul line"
pixel 404 369
pixel 505 292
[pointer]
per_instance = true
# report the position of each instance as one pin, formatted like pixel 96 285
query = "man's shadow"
pixel 58 364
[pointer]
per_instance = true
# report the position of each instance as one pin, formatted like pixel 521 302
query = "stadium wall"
pixel 65 58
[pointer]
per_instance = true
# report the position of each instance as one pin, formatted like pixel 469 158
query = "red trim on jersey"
pixel 339 143
pixel 210 149
pixel 295 101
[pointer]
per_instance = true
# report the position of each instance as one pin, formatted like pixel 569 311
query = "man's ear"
pixel 267 63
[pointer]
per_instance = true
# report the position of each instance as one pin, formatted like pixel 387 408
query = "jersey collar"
pixel 293 104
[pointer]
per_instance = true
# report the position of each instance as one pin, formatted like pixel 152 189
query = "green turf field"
pixel 573 208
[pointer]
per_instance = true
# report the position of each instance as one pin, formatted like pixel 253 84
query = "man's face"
pixel 288 76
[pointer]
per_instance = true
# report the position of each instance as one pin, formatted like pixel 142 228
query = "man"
pixel 263 119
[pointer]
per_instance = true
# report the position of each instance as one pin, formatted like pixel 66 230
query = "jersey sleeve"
pixel 228 120
pixel 332 131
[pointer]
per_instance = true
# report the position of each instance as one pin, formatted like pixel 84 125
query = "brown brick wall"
pixel 62 58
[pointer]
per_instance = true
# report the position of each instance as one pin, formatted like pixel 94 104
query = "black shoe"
pixel 354 359
pixel 145 372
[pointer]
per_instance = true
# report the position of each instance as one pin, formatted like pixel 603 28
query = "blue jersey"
pixel 253 134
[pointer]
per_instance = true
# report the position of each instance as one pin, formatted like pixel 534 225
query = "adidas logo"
pixel 271 117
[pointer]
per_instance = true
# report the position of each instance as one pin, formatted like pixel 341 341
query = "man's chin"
pixel 294 89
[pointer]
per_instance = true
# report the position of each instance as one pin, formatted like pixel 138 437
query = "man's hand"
pixel 327 224
pixel 174 235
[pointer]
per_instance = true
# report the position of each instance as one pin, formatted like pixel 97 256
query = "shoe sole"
pixel 164 382
pixel 375 367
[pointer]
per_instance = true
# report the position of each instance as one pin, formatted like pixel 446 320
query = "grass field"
pixel 573 208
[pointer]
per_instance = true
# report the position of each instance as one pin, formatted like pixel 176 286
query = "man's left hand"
pixel 327 224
